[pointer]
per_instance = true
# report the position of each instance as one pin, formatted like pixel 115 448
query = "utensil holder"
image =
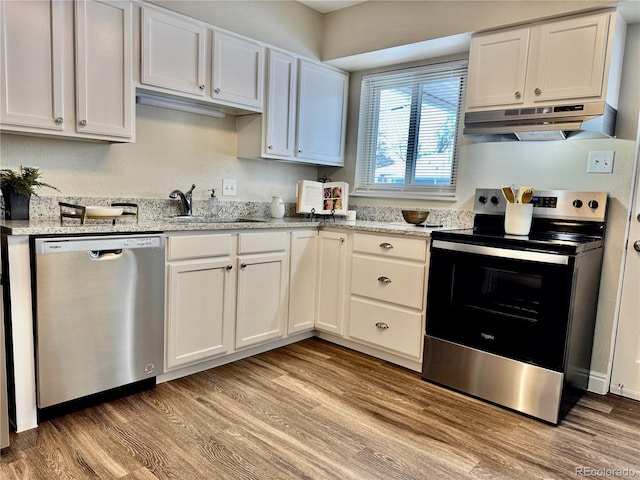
pixel 517 218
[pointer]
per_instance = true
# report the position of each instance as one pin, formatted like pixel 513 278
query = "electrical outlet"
pixel 601 162
pixel 229 187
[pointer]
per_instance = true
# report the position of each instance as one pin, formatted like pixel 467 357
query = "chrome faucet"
pixel 185 200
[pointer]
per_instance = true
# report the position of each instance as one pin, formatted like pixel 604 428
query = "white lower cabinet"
pixel 388 292
pixel 331 275
pixel 200 278
pixel 302 280
pixel 262 291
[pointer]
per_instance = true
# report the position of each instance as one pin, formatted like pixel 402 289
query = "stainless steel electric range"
pixel 510 319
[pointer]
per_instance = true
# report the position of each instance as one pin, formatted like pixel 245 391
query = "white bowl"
pixel 95 211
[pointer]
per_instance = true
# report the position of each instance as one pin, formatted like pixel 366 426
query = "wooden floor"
pixel 314 410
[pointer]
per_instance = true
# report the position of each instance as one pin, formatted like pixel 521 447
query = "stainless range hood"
pixel 581 120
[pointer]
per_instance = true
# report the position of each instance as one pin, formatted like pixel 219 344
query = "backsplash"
pixel 47 208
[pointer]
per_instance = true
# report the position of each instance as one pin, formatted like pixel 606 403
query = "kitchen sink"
pixel 209 219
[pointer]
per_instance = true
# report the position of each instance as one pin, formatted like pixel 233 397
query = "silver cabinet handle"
pixel 341 239
pixel 537 91
pixel 83 123
pixel 243 266
pixel 59 120
pixel 386 246
pixel 385 280
pixel 382 326
pixel 229 267
pixel 270 147
pixel 217 90
pixel 636 245
pixel 517 94
pixel 638 217
pixel 299 151
pixel 201 86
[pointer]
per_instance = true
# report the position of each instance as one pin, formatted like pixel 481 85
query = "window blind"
pixel 409 131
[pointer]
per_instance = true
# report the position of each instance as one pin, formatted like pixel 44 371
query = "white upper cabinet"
pixel 104 85
pixel 173 52
pixel 556 60
pixel 497 67
pixel 237 71
pixel 280 112
pixel 322 108
pixel 570 58
pixel 31 62
pixel 43 80
pixel 305 114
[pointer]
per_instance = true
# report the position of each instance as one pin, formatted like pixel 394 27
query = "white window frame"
pixel 364 184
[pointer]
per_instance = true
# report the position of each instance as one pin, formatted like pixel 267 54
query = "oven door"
pixel 512 303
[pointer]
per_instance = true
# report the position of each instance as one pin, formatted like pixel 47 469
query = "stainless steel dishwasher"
pixel 99 304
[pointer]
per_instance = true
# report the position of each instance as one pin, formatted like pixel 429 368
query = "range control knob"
pixel 577 203
pixel 495 200
pixel 482 199
pixel 593 204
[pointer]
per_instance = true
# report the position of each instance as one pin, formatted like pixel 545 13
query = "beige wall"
pixel 376 25
pixel 285 24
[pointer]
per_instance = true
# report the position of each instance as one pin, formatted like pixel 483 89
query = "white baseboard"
pixel 598 383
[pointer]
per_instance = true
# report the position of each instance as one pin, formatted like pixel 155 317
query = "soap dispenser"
pixel 214 207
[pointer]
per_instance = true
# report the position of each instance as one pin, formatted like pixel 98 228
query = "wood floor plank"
pixel 316 411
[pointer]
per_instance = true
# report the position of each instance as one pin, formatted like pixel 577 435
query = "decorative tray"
pixel 115 212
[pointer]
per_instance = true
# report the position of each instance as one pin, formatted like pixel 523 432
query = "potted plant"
pixel 17 188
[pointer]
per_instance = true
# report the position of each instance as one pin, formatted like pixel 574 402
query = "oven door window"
pixel 513 308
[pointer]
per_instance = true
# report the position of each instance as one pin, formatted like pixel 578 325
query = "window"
pixel 409 131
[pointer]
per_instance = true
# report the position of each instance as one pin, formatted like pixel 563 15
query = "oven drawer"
pixel 395 329
pixel 388 281
pixel 389 246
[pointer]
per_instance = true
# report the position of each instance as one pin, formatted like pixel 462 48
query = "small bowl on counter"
pixel 415 217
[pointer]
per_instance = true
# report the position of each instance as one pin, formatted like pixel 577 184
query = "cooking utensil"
pixel 525 194
pixel 508 194
pixel 415 217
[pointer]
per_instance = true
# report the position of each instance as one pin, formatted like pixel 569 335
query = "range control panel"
pixel 566 204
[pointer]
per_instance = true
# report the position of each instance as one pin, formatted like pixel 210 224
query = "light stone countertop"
pixel 73 227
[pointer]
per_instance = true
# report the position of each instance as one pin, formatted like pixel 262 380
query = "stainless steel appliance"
pixel 510 319
pixel 99 304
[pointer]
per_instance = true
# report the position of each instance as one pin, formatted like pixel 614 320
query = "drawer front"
pixel 388 281
pixel 389 246
pixel 196 246
pixel 262 242
pixel 393 329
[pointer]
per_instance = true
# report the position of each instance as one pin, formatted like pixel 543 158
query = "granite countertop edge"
pixel 53 227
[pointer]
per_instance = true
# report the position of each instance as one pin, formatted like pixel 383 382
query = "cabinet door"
pixel 279 127
pixel 497 68
pixel 199 323
pixel 568 58
pixel 332 264
pixel 104 82
pixel 302 280
pixel 31 62
pixel 237 71
pixel 173 53
pixel 322 97
pixel 261 302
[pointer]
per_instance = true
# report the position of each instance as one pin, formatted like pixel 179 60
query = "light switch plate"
pixel 601 162
pixel 229 187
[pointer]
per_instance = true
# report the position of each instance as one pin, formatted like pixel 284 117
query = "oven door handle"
pixel 502 252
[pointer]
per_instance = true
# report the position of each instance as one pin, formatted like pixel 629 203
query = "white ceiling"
pixel 325 6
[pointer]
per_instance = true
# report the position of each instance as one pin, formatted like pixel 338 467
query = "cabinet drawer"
pixel 195 246
pixel 394 329
pixel 262 242
pixel 388 281
pixel 389 246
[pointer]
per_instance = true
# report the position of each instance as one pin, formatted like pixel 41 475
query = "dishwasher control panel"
pixel 76 244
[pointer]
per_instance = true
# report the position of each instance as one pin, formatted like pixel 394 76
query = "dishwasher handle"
pixel 105 254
